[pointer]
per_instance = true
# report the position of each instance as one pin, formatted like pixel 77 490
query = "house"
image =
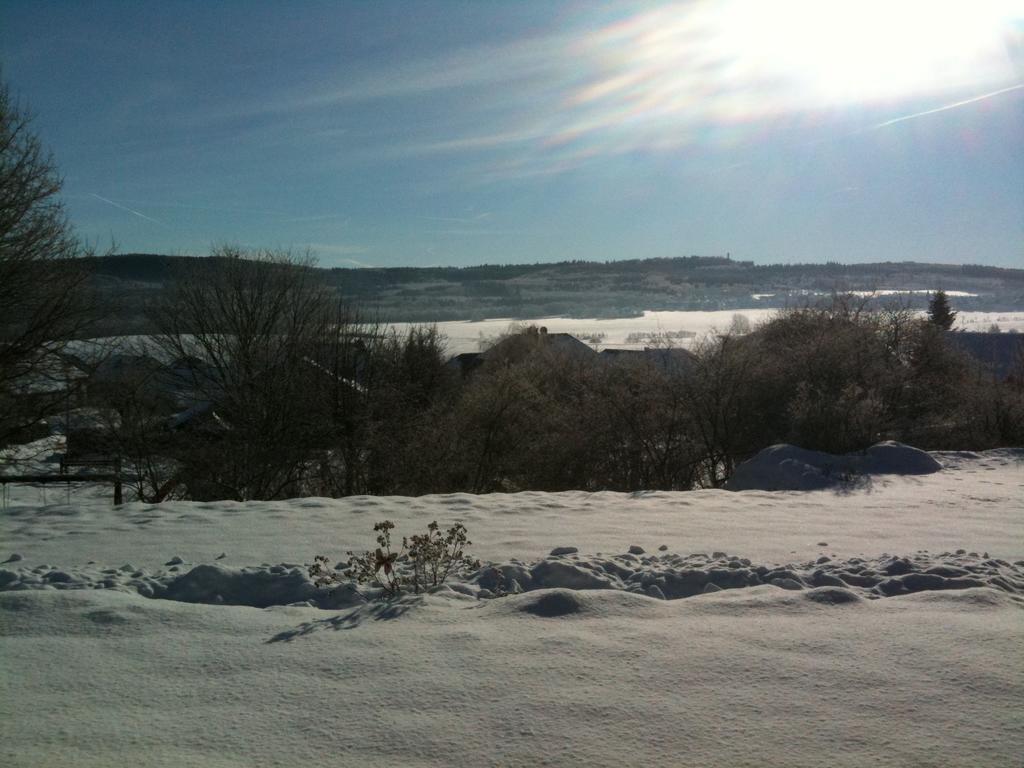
pixel 516 348
pixel 55 371
pixel 37 386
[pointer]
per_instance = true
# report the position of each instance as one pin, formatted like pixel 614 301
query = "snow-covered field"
pixel 884 627
pixel 467 336
pixel 683 328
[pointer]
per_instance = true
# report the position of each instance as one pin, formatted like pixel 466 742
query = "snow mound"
pixel 671 576
pixel 257 587
pixel 769 599
pixel 553 603
pixel 555 573
pixel 892 458
pixel 832 596
pixel 665 576
pixel 558 603
pixel 968 599
pixel 786 467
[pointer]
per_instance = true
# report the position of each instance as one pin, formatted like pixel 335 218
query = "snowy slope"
pixel 787 674
pixel 466 335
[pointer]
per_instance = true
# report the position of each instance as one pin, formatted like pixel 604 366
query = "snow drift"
pixel 796 629
pixel 665 576
pixel 786 467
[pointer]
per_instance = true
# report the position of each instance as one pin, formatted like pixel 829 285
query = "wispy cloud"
pixel 235 210
pixel 480 142
pixel 310 219
pixel 707 74
pixel 460 220
pixel 132 211
pixel 471 232
pixel 946 107
pixel 188 207
pixel 532 60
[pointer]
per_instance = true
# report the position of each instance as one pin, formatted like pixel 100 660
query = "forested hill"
pixel 602 289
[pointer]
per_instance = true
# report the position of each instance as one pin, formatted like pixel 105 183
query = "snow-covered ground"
pixel 467 336
pixel 683 328
pixel 880 621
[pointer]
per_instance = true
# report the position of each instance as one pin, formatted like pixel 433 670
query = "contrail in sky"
pixel 125 208
pixel 954 105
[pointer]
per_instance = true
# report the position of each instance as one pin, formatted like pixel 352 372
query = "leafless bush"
pixel 247 334
pixel 294 393
pixel 642 433
pixel 425 560
pixel 722 404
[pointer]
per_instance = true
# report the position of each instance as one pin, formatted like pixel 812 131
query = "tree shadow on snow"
pixel 350 620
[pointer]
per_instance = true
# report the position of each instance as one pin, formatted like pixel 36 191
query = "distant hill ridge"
pixel 600 289
pixel 152 267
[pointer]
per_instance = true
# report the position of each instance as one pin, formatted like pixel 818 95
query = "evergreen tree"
pixel 939 311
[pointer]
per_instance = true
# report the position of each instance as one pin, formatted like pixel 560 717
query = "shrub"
pixel 433 556
pixel 430 556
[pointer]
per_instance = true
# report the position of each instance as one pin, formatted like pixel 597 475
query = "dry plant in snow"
pixel 429 558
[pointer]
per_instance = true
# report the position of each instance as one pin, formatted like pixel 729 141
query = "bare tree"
pixel 719 395
pixel 244 330
pixel 42 296
pixel 644 433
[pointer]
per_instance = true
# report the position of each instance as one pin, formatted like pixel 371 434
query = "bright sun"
pixel 734 59
pixel 705 70
pixel 846 51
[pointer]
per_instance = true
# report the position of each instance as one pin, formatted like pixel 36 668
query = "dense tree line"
pixel 294 394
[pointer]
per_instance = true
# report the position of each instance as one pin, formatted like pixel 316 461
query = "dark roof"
pixel 521 344
pixel 515 348
pixel 566 342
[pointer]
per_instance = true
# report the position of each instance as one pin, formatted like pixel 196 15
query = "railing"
pixel 111 476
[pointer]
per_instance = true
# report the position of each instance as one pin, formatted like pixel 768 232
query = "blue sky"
pixel 423 133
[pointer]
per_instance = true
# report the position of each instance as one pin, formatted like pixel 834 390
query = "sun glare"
pixel 691 71
pixel 842 52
